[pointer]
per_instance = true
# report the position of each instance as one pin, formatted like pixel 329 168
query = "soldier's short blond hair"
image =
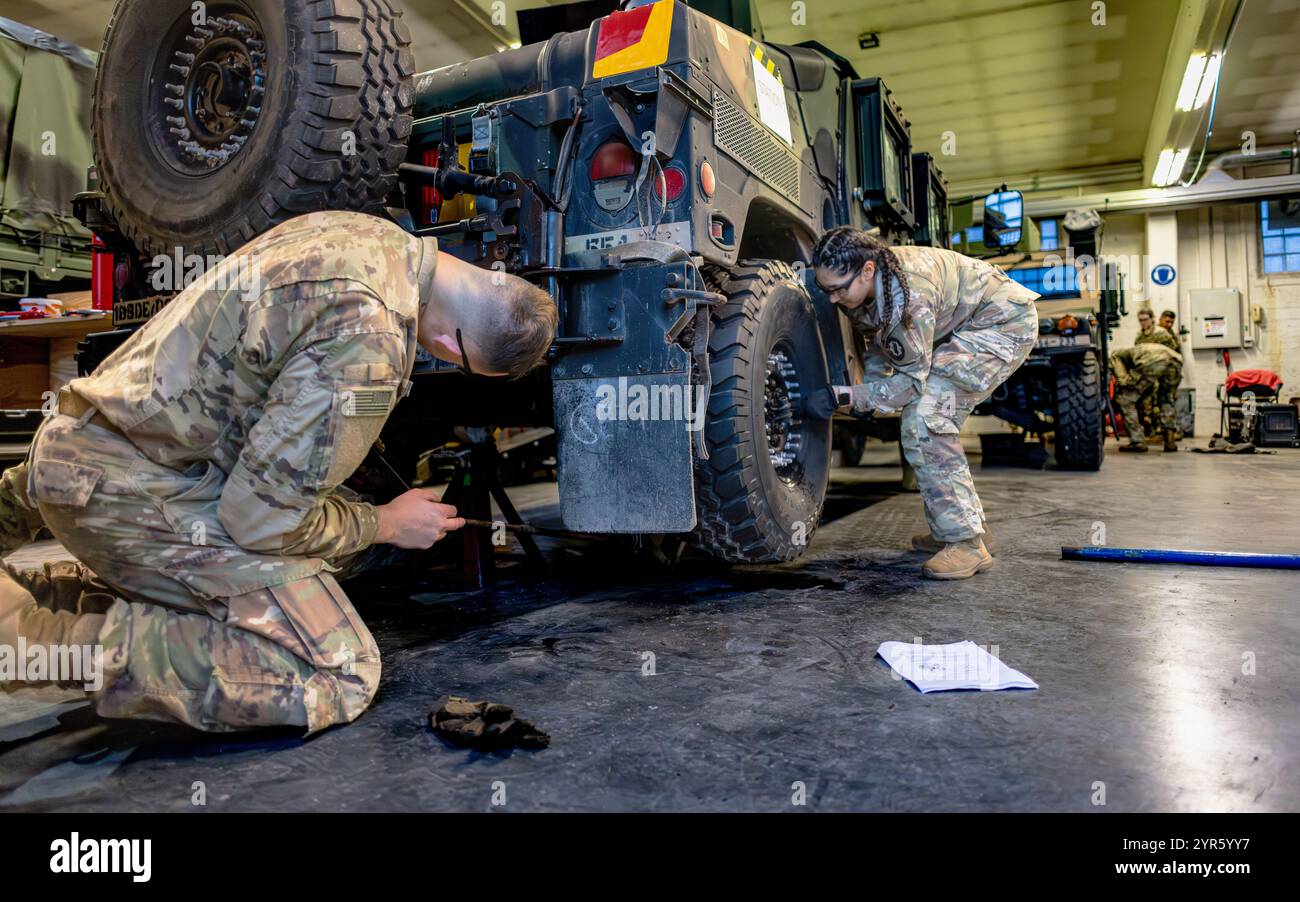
pixel 512 335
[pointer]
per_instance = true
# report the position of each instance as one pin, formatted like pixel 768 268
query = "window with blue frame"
pixel 974 236
pixel 1049 281
pixel 1012 206
pixel 1049 235
pixel 1279 240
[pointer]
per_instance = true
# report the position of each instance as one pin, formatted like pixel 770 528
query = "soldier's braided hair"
pixel 845 249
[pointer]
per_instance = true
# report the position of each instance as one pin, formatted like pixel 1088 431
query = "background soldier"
pixel 198 471
pixel 1147 370
pixel 1167 318
pixel 1149 333
pixel 942 332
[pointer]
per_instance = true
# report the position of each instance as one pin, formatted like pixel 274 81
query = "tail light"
pixel 671 184
pixel 612 160
pixel 708 181
pixel 613 175
pixel 1067 324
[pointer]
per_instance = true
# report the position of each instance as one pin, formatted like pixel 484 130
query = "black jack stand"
pixel 474 485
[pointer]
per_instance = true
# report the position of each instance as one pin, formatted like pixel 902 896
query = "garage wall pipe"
pixel 1164 556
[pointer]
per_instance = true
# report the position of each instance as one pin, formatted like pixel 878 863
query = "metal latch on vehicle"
pixel 697 307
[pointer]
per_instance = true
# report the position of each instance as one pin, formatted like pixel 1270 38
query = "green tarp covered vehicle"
pixel 45 97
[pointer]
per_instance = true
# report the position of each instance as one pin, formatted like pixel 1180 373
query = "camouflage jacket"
pixel 946 290
pixel 1158 335
pixel 1156 362
pixel 279 366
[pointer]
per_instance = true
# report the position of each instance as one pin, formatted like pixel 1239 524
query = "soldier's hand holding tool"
pixel 416 519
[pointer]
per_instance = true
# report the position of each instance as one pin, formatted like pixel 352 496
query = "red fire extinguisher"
pixel 102 275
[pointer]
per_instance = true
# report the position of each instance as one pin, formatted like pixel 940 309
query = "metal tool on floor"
pixel 1166 556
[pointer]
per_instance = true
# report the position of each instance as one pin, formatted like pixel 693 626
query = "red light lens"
pixel 613 160
pixel 672 183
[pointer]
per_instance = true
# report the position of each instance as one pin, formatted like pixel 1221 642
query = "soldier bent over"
pixel 197 471
pixel 1147 371
pixel 942 331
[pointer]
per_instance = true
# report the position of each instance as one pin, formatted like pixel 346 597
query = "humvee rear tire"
pixel 214 124
pixel 1080 414
pixel 759 495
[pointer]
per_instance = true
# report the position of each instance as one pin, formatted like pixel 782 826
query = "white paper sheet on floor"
pixel 961 665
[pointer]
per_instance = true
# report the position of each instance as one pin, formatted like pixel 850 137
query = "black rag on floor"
pixel 484 725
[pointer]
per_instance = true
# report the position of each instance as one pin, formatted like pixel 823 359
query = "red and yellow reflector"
pixel 633 39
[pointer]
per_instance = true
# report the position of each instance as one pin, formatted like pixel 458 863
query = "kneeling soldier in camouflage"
pixel 942 332
pixel 197 472
pixel 1147 371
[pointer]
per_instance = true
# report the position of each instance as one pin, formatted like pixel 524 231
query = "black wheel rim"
pixel 782 402
pixel 207 88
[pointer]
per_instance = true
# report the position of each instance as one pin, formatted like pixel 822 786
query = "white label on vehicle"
pixel 678 233
pixel 721 32
pixel 771 102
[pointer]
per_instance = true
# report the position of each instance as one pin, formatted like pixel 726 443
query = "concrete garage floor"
pixel 769 676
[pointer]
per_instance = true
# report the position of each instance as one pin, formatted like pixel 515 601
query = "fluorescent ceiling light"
pixel 1191 81
pixel 1201 75
pixel 1208 81
pixel 1169 168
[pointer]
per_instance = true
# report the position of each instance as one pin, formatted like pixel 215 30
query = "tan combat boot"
pixel 960 560
pixel 21 616
pixel 1171 440
pixel 924 541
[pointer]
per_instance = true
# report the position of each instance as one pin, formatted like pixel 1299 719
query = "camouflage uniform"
pixel 20 521
pixel 971 327
pixel 1151 404
pixel 197 472
pixel 1141 371
pixel 1158 335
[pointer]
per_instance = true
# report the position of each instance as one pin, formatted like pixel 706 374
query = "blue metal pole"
pixel 1164 556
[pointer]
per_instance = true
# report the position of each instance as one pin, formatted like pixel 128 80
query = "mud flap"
pixel 624 475
pixel 626 411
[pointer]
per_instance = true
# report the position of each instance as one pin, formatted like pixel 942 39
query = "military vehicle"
pixel 45 87
pixel 663 174
pixel 1060 392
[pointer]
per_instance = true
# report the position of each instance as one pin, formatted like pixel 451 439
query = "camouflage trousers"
pixel 965 370
pixel 1159 392
pixel 205 633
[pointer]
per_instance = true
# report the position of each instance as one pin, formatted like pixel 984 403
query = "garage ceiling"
pixel 1027 87
pixel 1261 80
pixel 1034 92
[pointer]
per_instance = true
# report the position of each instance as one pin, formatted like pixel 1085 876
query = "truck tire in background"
pixel 1080 414
pixel 212 124
pixel 759 495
